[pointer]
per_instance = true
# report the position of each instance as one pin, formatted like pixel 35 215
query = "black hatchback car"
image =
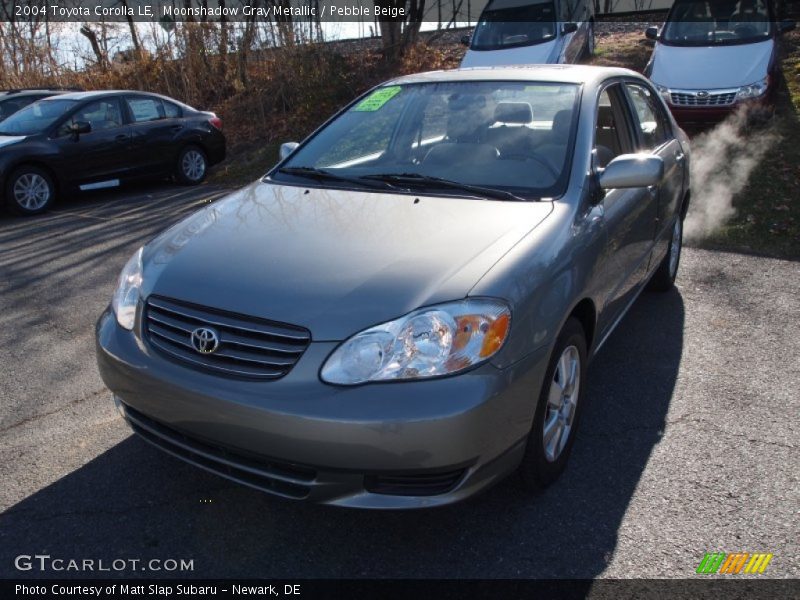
pixel 97 140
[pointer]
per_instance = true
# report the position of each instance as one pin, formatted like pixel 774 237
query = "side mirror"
pixel 632 171
pixel 79 128
pixel 569 28
pixel 786 25
pixel 465 40
pixel 651 33
pixel 287 149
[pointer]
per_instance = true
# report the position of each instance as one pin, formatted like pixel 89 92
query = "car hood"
pixel 538 54
pixel 333 261
pixel 714 67
pixel 7 140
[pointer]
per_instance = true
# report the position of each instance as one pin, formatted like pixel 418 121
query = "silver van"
pixel 524 32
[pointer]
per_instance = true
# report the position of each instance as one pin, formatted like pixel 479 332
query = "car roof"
pixel 542 73
pixel 107 93
pixel 21 93
pixel 101 93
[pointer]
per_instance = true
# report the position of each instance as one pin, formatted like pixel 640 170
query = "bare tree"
pixel 400 31
pixel 91 35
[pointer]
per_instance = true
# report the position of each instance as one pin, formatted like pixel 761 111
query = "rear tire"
pixel 663 279
pixel 558 410
pixel 192 166
pixel 30 191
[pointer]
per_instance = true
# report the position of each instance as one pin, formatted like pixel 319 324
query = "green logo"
pixel 733 563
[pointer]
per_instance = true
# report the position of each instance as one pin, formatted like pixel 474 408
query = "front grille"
pixel 283 479
pixel 417 484
pixel 247 346
pixel 687 98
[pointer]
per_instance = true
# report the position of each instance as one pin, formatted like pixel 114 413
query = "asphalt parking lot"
pixel 689 443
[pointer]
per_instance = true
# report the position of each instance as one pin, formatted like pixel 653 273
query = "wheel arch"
pixel 586 314
pixel 57 184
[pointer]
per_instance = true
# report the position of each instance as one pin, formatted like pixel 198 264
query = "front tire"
pixel 663 279
pixel 558 410
pixel 192 166
pixel 30 191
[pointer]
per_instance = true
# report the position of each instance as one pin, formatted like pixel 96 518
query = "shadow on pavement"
pixel 135 502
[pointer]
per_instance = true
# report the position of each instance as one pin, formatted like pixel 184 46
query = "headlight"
pixel 664 92
pixel 754 90
pixel 429 342
pixel 126 295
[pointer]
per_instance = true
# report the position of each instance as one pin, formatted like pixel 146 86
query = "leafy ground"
pixel 767 217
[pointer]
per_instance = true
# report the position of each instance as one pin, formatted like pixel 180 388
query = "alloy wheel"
pixel 562 400
pixel 193 165
pixel 31 191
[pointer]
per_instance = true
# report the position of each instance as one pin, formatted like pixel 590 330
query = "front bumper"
pixel 390 445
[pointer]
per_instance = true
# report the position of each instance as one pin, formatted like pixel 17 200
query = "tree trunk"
pixel 90 35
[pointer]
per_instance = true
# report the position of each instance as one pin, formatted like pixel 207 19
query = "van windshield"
pixel 513 26
pixel 710 22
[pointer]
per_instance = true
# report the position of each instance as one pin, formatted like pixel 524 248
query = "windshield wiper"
pixel 323 175
pixel 417 179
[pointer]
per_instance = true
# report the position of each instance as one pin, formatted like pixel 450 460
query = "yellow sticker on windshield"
pixel 378 98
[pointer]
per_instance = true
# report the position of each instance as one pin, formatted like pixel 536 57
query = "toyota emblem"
pixel 702 94
pixel 205 340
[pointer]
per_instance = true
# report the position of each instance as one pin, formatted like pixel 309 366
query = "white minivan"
pixel 523 32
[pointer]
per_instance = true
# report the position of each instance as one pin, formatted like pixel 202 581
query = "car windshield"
pixel 512 26
pixel 36 117
pixel 711 22
pixel 514 137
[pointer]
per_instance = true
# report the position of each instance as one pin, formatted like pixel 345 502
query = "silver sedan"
pixel 401 312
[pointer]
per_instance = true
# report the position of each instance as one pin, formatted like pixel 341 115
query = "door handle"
pixel 176 127
pixel 679 156
pixel 121 138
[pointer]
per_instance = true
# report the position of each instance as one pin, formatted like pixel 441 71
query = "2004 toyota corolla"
pixel 401 312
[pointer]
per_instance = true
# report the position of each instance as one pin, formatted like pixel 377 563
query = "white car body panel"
pixel 538 54
pixel 710 67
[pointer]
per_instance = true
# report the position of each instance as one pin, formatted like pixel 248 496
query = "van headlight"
pixel 754 90
pixel 430 342
pixel 126 296
pixel 664 93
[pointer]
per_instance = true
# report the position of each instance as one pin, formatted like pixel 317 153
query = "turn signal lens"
pixel 495 336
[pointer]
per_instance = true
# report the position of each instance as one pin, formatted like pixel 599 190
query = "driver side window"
pixel 103 114
pixel 611 136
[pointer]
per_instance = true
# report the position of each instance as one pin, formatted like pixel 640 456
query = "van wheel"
pixel 558 410
pixel 663 279
pixel 192 166
pixel 30 191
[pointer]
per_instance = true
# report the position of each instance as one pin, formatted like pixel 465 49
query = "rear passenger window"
pixel 172 111
pixel 649 115
pixel 146 109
